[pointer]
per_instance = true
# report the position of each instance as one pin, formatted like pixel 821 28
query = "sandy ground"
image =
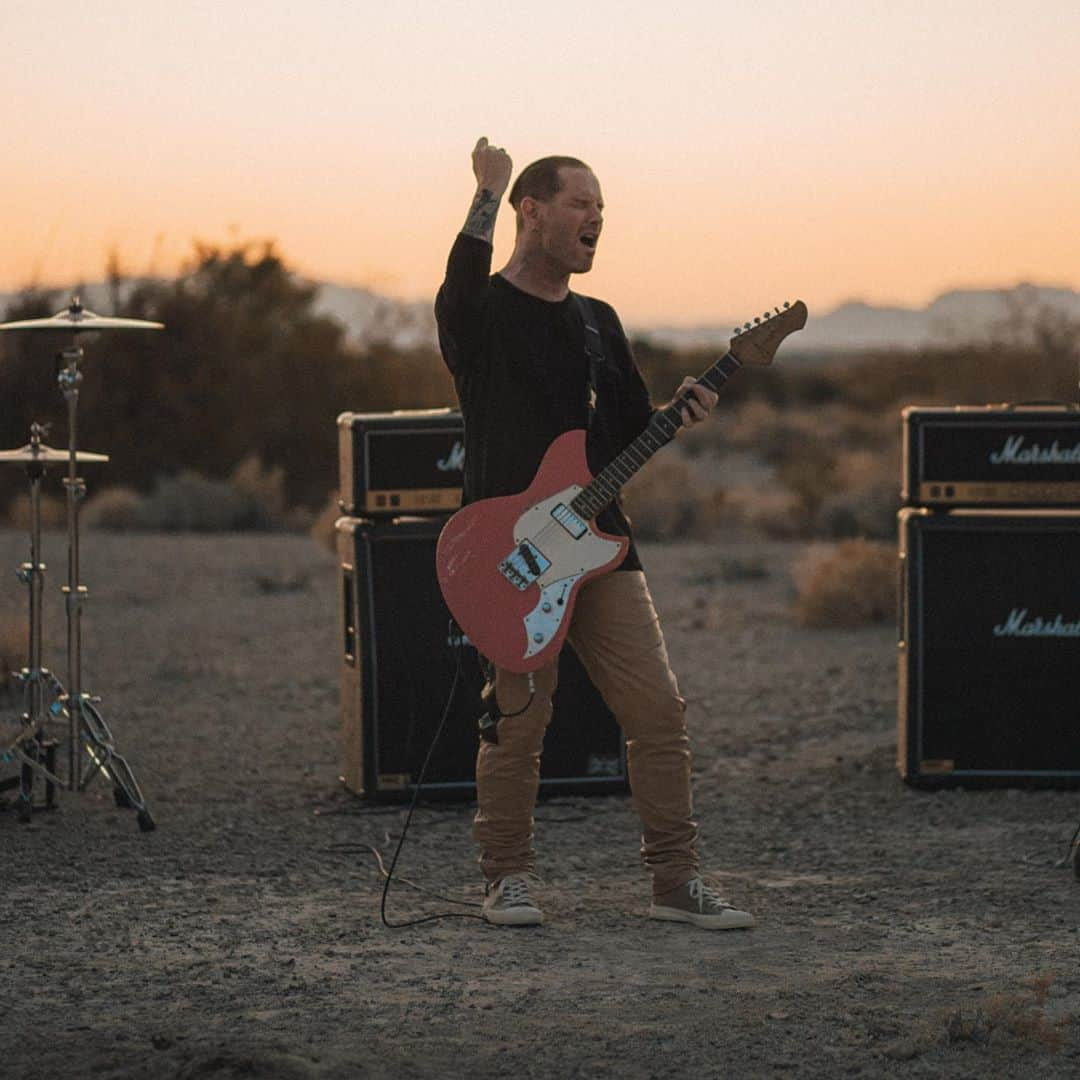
pixel 900 932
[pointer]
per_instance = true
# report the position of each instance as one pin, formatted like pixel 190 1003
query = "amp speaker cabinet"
pixel 989 648
pixel 398 662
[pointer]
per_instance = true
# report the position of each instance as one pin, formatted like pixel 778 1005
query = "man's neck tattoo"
pixel 480 222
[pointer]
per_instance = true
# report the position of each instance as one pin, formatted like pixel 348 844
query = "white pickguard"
pixel 570 559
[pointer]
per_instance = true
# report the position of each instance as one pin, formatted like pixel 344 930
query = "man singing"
pixel 515 343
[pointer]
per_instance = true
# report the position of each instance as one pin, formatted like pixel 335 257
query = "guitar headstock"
pixel 757 342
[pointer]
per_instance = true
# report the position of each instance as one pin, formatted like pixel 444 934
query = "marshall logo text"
pixel 1019 625
pixel 454 461
pixel 1014 452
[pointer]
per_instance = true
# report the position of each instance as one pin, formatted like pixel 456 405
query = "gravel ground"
pixel 900 932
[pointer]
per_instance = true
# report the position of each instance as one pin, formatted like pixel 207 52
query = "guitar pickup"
pixel 524 565
pixel 569 520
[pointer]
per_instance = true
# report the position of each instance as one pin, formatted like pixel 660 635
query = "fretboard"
pixel 661 429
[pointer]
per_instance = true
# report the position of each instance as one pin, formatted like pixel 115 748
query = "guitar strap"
pixel 594 351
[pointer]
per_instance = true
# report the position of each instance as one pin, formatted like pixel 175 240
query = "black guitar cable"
pixel 457 636
pixel 1072 856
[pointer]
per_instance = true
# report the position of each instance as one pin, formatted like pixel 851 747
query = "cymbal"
pixel 32 452
pixel 75 319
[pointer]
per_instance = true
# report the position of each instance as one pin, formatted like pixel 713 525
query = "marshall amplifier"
pixel 394 463
pixel 398 666
pixel 989 648
pixel 992 455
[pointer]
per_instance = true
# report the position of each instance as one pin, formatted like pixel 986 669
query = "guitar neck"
pixel 661 429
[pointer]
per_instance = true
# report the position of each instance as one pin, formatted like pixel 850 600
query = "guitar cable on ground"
pixel 388 875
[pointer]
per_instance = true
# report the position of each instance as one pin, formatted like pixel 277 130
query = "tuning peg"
pixel 777 310
pixel 746 326
pixel 738 331
pixel 786 305
pixel 767 314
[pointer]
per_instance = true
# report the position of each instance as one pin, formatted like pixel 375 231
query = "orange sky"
pixel 748 153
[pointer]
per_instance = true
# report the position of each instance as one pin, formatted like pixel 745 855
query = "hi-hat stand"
pixel 33 746
pixel 86 728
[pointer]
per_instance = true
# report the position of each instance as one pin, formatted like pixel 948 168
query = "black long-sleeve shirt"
pixel 522 379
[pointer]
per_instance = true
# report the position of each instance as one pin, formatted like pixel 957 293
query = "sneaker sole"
pixel 730 920
pixel 515 917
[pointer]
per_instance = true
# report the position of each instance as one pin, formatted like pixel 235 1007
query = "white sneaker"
pixel 507 903
pixel 696 903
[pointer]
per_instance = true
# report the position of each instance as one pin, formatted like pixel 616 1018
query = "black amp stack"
pixel 400 478
pixel 989 614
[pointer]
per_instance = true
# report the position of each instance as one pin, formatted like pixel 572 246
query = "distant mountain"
pixel 953 317
pixel 961 315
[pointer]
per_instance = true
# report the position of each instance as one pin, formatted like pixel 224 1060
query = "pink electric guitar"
pixel 510 567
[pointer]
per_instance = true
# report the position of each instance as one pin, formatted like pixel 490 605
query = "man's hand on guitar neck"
pixel 696 407
pixel 491 167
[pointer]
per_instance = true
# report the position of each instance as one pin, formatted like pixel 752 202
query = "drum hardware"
pixel 86 727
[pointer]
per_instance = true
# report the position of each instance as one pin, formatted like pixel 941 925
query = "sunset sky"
pixel 748 153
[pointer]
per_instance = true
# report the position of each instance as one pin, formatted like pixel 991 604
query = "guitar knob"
pixel 538 637
pixel 545 607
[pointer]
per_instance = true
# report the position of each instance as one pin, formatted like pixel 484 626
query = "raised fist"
pixel 491 166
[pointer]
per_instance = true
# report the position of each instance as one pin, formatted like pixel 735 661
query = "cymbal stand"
pixel 86 726
pixel 33 746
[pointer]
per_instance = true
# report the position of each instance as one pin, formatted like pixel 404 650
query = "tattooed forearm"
pixel 480 222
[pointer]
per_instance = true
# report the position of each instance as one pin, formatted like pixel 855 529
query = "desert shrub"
pixel 322 529
pixel 53 511
pixel 810 475
pixel 264 486
pixel 868 512
pixel 963 375
pixel 865 499
pixel 670 498
pixel 115 509
pixel 191 503
pixel 841 465
pixel 778 434
pixel 848 584
pixel 774 512
pixel 1017 1017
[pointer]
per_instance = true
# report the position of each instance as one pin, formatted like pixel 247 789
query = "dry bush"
pixel 322 529
pixel 774 512
pixel 115 509
pixel 670 499
pixel 780 433
pixel 264 486
pixel 191 503
pixel 964 375
pixel 810 475
pixel 865 499
pixel 849 584
pixel 1019 1018
pixel 298 519
pixel 53 511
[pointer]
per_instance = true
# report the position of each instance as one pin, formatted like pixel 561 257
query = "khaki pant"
pixel 616 634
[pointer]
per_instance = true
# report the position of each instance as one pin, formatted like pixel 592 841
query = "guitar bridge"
pixel 524 565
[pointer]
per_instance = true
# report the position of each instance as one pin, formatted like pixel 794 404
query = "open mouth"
pixel 589 240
